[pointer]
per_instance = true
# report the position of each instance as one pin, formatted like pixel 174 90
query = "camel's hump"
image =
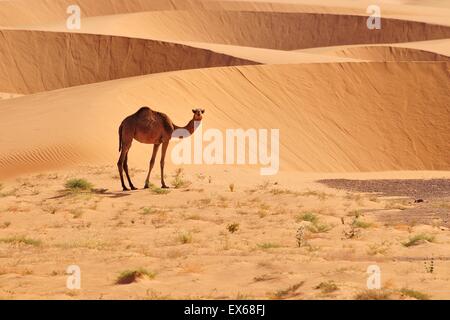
pixel 143 109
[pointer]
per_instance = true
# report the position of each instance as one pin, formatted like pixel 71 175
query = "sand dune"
pixel 385 53
pixel 39 12
pixel 333 117
pixel 270 30
pixel 76 59
pixel 32 12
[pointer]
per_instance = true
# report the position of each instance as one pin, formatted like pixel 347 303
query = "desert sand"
pixel 349 103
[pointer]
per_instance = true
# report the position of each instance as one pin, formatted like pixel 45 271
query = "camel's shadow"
pixel 99 192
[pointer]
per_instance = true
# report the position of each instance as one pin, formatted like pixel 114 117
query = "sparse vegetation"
pixel 146 211
pixel 397 204
pixel 21 240
pixel 357 223
pixel 179 181
pixel 231 187
pixel 419 239
pixel 315 225
pixel 185 237
pixel 159 191
pixel 130 276
pixel 319 227
pixel 414 294
pixel 300 237
pixel 5 225
pixel 351 232
pixel 312 193
pixel 327 287
pixel 378 248
pixel 308 216
pixel 78 185
pixel 264 277
pixel 233 227
pixel 429 265
pixel 268 245
pixel 277 191
pixel 373 295
pixel 289 292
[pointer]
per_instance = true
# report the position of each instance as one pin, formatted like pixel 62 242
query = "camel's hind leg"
pixel 163 156
pixel 125 167
pixel 152 163
pixel 126 145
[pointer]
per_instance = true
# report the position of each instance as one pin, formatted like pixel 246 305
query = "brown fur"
pixel 150 127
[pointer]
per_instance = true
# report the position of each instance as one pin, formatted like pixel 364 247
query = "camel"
pixel 150 127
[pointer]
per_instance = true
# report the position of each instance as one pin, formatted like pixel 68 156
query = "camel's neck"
pixel 189 127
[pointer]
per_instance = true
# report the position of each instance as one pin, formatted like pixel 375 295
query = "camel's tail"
pixel 120 138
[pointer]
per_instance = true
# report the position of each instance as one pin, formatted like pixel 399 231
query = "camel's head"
pixel 198 114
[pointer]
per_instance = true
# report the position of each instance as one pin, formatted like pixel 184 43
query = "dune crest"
pixel 76 59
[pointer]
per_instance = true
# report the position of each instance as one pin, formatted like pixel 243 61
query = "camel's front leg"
pixel 163 156
pixel 152 163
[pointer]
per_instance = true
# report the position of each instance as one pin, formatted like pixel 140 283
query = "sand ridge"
pixel 77 59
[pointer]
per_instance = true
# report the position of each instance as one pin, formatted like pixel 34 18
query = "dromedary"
pixel 150 127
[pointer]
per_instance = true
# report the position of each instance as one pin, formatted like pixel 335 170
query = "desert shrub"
pixel 130 276
pixel 78 185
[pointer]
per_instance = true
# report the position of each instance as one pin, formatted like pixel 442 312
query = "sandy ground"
pixel 364 150
pixel 184 237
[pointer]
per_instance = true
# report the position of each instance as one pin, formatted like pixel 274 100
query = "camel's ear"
pixel 193 110
pixel 203 110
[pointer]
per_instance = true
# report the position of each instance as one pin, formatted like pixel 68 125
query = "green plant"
pixel 233 227
pixel 178 181
pixel 418 239
pixel 78 185
pixel 357 223
pixel 147 210
pixel 319 227
pixel 185 238
pixel 130 276
pixel 159 191
pixel 268 245
pixel 308 216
